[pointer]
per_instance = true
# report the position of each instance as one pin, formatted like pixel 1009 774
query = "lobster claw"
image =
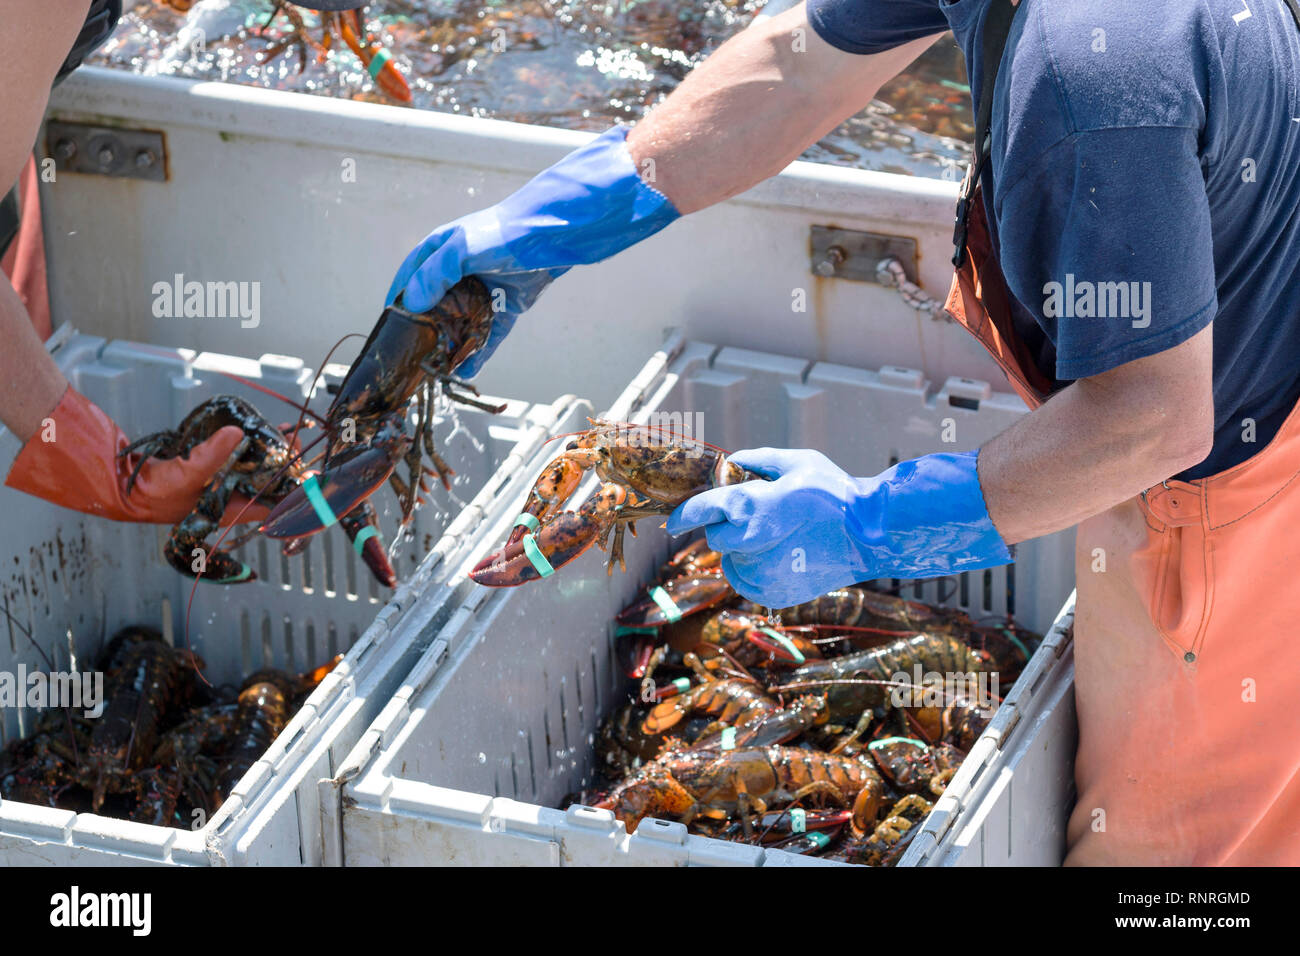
pixel 531 557
pixel 323 499
pixel 676 598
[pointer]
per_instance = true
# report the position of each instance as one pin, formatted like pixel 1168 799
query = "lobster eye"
pixel 571 446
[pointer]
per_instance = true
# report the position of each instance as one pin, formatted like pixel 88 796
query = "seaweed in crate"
pixel 166 749
pixel 828 730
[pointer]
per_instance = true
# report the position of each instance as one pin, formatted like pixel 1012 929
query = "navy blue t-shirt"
pixel 1145 181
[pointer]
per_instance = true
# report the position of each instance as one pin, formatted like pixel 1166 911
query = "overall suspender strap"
pixel 997 28
pixel 1294 7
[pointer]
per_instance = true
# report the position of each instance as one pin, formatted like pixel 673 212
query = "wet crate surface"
pixel 74 580
pixel 495 726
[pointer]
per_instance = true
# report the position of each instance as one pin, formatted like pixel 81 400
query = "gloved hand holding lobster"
pixel 813 528
pixel 73 461
pixel 585 208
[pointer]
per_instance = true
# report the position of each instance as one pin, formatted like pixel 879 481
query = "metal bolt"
pixel 831 262
pixel 106 155
pixel 144 159
pixel 65 149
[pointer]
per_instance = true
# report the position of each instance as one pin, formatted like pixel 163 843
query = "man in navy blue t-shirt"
pixel 1135 243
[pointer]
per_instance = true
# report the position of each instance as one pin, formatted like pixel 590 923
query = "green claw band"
pixel 683 684
pixel 528 521
pixel 535 556
pixel 786 643
pixel 886 741
pixel 798 820
pixel 381 59
pixel 1010 636
pixel 821 839
pixel 318 502
pixel 666 604
pixel 729 738
pixel 364 535
pixel 623 629
pixel 245 572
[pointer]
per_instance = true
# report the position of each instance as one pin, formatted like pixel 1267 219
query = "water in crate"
pixel 155 743
pixel 827 730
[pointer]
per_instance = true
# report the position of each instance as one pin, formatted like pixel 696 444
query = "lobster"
pixel 729 701
pixel 711 783
pixel 349 25
pixel 405 354
pixel 264 465
pixel 867 617
pixel 857 682
pixel 644 472
pixel 884 846
pixel 146 682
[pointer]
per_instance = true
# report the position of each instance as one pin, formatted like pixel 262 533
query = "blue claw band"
pixel 536 557
pixel 886 741
pixel 528 521
pixel 318 502
pixel 819 838
pixel 364 535
pixel 786 643
pixel 683 684
pixel 798 820
pixel 382 56
pixel 245 572
pixel 729 738
pixel 666 604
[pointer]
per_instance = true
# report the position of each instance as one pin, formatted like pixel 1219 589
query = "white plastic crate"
pixel 74 580
pixel 495 725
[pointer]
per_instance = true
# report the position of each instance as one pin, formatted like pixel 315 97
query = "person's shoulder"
pixel 1112 65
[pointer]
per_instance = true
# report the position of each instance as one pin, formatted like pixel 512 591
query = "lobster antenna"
pixel 321 368
pixel 273 393
pixel 49 664
pixel 189 604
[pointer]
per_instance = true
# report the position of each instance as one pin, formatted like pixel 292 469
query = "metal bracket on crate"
pixel 107 150
pixel 857 255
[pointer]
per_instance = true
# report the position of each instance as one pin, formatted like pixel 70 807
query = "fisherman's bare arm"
pixel 37 37
pixel 754 106
pixel 1101 441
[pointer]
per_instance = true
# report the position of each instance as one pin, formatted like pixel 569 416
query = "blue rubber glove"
pixel 588 206
pixel 816 528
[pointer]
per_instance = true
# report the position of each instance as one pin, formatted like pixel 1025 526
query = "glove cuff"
pixel 587 207
pixel 927 518
pixel 76 467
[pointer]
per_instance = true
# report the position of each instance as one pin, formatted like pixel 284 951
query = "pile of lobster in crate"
pixel 162 745
pixel 829 729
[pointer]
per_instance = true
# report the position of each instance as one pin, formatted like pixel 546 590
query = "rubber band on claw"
pixel 786 644
pixel 382 56
pixel 318 503
pixel 364 535
pixel 666 604
pixel 244 573
pixel 536 558
pixel 886 741
pixel 528 521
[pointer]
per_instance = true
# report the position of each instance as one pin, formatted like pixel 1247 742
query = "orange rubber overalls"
pixel 1187 632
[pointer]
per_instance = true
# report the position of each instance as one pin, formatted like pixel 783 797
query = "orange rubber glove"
pixel 80 469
